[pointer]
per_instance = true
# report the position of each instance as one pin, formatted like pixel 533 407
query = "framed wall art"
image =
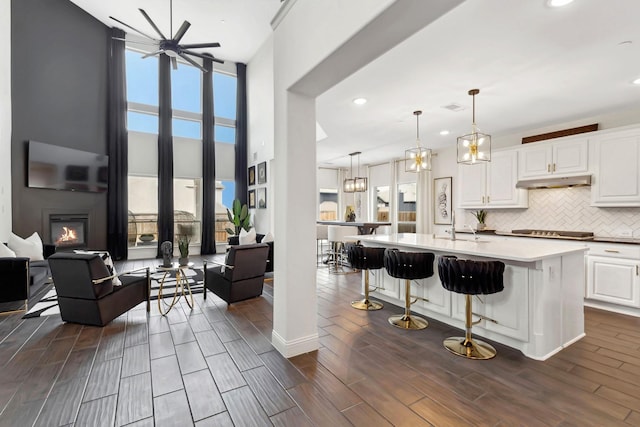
pixel 252 199
pixel 251 176
pixel 262 197
pixel 442 201
pixel 262 173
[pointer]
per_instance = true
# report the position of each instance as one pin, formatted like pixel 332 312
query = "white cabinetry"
pixel 493 184
pixel 506 312
pixel 561 157
pixel 613 274
pixel 616 164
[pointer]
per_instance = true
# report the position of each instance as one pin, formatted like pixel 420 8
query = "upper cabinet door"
pixel 616 159
pixel 570 157
pixel 502 175
pixel 472 189
pixel 535 160
pixel 559 158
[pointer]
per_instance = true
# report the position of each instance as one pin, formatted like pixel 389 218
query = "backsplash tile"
pixel 565 209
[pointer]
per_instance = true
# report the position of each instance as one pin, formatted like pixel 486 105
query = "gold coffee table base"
pixel 182 283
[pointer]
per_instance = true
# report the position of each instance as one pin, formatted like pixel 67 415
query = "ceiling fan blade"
pixel 152 23
pixel 157 52
pixel 200 55
pixel 130 27
pixel 180 33
pixel 199 45
pixel 174 63
pixel 192 62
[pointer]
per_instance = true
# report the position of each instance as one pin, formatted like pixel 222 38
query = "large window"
pixel 142 123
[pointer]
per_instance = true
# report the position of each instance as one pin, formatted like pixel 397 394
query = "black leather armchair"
pixel 241 277
pixel 22 278
pixel 235 240
pixel 86 294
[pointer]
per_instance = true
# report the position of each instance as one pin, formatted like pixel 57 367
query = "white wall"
pixel 5 120
pixel 261 127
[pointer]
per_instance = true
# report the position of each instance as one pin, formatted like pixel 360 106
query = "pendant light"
pixel 419 158
pixel 360 182
pixel 476 146
pixel 349 184
pixel 355 184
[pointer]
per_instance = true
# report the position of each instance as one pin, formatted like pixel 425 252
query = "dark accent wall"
pixel 59 96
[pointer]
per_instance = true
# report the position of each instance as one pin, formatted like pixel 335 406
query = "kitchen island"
pixel 539 312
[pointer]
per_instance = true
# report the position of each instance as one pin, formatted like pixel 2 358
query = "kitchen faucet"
pixel 453 225
pixel 475 236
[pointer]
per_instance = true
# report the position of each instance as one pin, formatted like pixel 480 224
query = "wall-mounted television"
pixel 61 168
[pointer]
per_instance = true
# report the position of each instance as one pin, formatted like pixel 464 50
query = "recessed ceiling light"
pixel 444 132
pixel 558 3
pixel 637 81
pixel 360 101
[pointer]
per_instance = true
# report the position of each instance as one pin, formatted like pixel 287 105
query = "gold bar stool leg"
pixel 466 346
pixel 366 304
pixel 406 321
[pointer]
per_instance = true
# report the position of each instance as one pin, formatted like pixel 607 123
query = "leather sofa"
pixel 235 240
pixel 22 278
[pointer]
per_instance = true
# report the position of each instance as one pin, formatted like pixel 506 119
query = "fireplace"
pixel 69 230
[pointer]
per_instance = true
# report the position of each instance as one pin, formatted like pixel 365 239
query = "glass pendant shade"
pixel 476 146
pixel 419 158
pixel 349 185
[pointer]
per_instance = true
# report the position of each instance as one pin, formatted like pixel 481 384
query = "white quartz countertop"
pixel 523 250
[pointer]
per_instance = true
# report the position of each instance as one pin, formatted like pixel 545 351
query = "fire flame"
pixel 69 235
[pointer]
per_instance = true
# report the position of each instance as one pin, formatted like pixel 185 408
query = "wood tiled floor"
pixel 214 366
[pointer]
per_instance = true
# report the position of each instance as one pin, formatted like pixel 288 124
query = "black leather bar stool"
pixel 365 258
pixel 408 266
pixel 470 277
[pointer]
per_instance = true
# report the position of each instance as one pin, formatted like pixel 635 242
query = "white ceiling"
pixel 535 67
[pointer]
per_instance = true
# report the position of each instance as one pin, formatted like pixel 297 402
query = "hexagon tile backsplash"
pixel 566 209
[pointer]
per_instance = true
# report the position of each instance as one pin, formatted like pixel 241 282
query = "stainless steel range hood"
pixel 553 182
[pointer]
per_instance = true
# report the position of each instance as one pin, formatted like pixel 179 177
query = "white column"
pixel 294 313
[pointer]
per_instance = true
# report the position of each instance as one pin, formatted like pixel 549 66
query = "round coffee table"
pixel 182 283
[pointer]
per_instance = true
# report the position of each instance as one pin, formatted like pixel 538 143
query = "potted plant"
pixel 239 218
pixel 480 215
pixel 183 247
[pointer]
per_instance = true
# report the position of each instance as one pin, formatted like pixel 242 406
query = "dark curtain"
pixel 208 245
pixel 165 155
pixel 241 134
pixel 117 137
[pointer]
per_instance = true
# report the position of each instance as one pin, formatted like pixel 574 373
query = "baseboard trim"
pixel 294 347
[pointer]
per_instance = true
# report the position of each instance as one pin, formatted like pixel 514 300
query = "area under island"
pixel 539 312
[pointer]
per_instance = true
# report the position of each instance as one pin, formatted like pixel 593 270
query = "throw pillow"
pixel 267 238
pixel 5 252
pixel 31 247
pixel 248 237
pixel 106 257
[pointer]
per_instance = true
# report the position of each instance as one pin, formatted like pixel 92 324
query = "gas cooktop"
pixel 573 235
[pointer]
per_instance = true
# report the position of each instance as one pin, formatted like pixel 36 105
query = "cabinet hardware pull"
pixel 488 199
pixel 482 199
pixel 554 167
pixel 613 251
pixel 548 167
pixel 637 270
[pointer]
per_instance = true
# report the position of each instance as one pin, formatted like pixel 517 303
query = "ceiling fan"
pixel 172 47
